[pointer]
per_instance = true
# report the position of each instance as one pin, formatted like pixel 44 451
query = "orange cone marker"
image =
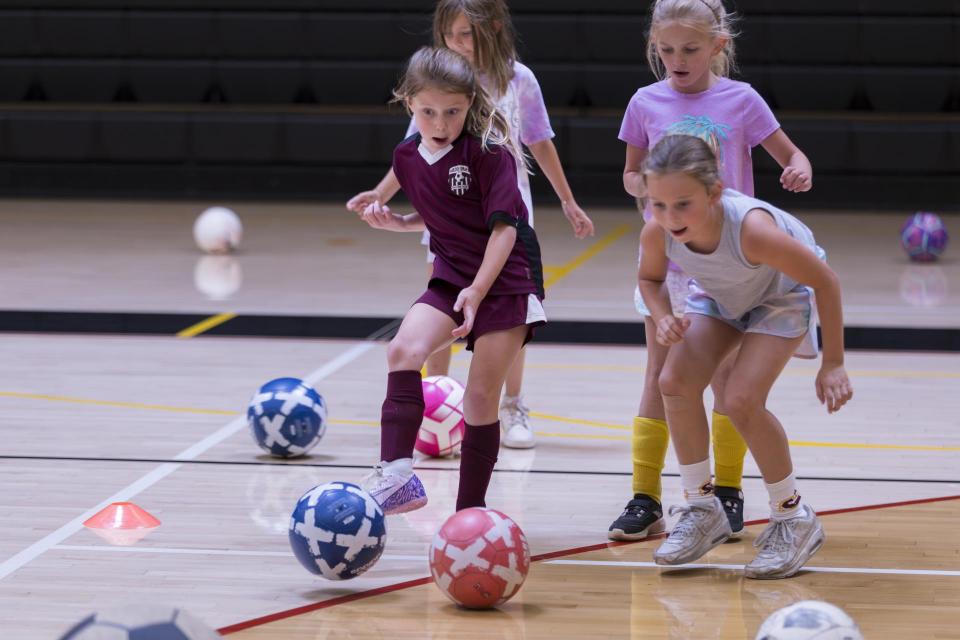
pixel 122 523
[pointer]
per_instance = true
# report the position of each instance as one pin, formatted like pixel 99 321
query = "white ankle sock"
pixel 784 499
pixel 695 480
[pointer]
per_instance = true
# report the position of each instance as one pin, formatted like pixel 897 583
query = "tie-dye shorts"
pixel 790 316
pixel 678 286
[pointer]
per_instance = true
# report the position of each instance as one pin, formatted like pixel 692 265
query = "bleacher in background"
pixel 225 98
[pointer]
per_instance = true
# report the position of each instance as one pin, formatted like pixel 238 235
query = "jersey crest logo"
pixel 459 179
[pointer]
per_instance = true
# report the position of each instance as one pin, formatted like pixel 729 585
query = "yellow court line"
pixel 151 407
pixel 793 443
pixel 582 436
pixel 544 416
pixel 865 445
pixel 561 272
pixel 357 423
pixel 588 423
pixel 113 403
pixel 855 373
pixel 206 325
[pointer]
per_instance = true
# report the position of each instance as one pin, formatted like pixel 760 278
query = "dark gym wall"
pixel 222 98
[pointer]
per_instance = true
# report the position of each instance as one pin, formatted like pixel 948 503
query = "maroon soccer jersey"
pixel 461 192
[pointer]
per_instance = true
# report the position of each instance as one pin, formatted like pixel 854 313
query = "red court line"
pixel 289 613
pixel 363 595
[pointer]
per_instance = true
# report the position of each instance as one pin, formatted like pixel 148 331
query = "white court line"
pixel 739 567
pixel 51 540
pixel 210 552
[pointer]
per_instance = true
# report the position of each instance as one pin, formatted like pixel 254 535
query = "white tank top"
pixel 736 285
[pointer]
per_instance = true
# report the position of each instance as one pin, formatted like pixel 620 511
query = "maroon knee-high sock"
pixel 478 455
pixel 401 415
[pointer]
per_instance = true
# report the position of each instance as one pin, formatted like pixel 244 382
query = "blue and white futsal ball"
pixel 337 531
pixel 809 620
pixel 141 623
pixel 287 417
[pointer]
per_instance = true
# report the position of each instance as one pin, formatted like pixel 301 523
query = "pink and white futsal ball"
pixel 442 429
pixel 479 558
pixel 217 230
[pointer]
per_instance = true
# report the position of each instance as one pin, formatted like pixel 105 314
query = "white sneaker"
pixel 785 546
pixel 515 423
pixel 395 487
pixel 699 529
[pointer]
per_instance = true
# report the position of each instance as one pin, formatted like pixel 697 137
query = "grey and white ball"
pixel 218 230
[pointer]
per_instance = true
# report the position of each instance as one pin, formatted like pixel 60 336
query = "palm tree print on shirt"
pixel 713 133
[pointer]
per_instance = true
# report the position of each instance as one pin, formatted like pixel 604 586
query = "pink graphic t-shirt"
pixel 730 116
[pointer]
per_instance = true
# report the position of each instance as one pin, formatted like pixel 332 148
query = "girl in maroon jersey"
pixel 460 174
pixel 482 32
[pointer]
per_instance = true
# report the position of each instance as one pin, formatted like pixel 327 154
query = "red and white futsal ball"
pixel 217 230
pixel 479 558
pixel 441 431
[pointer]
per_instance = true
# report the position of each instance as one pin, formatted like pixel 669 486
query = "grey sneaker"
pixel 515 423
pixel 785 546
pixel 698 530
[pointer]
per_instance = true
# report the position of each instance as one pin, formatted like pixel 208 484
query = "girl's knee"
pixel 403 355
pixel 480 400
pixel 651 375
pixel 673 383
pixel 741 405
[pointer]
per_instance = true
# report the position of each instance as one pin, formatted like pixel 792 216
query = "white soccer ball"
pixel 809 620
pixel 217 277
pixel 141 621
pixel 217 230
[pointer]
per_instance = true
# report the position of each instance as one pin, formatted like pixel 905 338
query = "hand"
pixel 379 216
pixel 468 301
pixel 670 329
pixel 582 225
pixel 795 180
pixel 833 386
pixel 362 200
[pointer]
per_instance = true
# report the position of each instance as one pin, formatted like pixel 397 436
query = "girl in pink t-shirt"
pixel 482 32
pixel 690 49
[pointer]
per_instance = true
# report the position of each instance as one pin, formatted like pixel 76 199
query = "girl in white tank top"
pixel 757 269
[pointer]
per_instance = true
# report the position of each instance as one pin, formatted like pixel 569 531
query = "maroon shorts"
pixel 496 312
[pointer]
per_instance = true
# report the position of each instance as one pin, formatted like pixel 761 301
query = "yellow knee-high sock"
pixel 650 440
pixel 729 449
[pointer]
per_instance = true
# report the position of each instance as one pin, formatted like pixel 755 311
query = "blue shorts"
pixel 789 316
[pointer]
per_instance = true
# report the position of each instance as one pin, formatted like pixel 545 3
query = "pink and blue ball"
pixel 923 236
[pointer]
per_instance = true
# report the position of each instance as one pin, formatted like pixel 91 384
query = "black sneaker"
pixel 732 500
pixel 642 517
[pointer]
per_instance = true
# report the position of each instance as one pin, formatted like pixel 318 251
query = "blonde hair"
pixel 683 154
pixel 494 41
pixel 449 72
pixel 708 17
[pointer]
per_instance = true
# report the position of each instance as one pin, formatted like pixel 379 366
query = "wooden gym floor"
pixel 107 414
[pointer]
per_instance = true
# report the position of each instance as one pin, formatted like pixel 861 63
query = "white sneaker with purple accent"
pixel 395 487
